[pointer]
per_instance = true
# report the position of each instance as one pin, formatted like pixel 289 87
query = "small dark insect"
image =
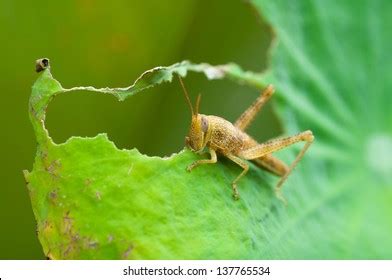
pixel 230 140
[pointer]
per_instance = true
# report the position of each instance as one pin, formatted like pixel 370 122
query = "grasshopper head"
pixel 196 139
pixel 197 135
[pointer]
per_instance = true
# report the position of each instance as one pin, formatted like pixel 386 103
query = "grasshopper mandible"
pixel 230 140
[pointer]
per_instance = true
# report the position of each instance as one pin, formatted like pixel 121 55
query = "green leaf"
pixel 94 201
pixel 331 68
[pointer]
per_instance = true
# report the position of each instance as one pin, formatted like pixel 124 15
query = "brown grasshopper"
pixel 221 136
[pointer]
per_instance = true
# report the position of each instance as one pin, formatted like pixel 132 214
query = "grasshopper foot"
pixel 236 195
pixel 190 167
pixel 279 195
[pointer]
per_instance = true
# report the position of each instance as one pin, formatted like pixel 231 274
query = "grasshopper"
pixel 230 140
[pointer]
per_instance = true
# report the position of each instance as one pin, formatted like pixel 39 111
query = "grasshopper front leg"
pixel 245 168
pixel 213 159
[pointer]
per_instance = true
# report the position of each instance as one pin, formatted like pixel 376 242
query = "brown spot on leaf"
pixel 67 220
pixel 110 238
pixel 53 168
pixel 127 252
pixel 92 244
pixel 43 154
pixel 88 182
pixel 53 195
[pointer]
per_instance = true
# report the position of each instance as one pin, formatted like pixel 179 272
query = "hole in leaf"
pixel 155 121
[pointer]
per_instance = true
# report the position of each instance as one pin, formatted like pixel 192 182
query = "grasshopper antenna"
pixel 198 103
pixel 187 96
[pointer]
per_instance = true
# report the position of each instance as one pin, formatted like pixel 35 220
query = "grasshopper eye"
pixel 204 124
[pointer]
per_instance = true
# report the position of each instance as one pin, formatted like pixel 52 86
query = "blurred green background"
pixel 111 44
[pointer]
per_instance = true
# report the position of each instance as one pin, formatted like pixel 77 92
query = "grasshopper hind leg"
pixel 272 165
pixel 261 150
